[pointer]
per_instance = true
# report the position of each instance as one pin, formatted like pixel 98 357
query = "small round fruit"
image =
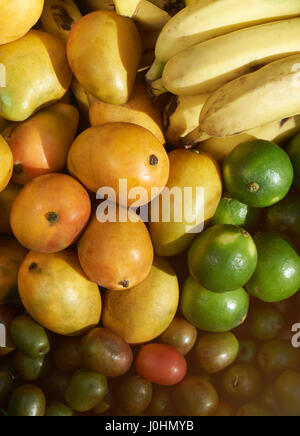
pixel 265 322
pixel 277 356
pixel 277 276
pixel 232 211
pixel 30 368
pixel 223 258
pixel 215 351
pixel 242 382
pixel 59 210
pixel 258 173
pixel 287 392
pixel 212 312
pixel 27 400
pixel 253 409
pixel 66 356
pixel 294 152
pixel 224 409
pixel 195 396
pixel 134 394
pixel 161 404
pixel 116 255
pixel 56 408
pixel 135 315
pixel 57 294
pixel 29 337
pixel 180 334
pixel 85 390
pixel 106 352
pixel 161 364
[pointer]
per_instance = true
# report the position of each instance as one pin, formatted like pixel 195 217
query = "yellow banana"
pixel 202 20
pixel 146 14
pixel 59 16
pixel 278 132
pixel 181 116
pixel 269 94
pixel 208 65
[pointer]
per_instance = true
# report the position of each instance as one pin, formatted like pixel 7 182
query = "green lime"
pixel 258 173
pixel 212 312
pixel 294 152
pixel 285 215
pixel 232 211
pixel 223 258
pixel 277 276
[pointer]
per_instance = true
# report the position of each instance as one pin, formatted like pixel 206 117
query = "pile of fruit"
pixel 197 316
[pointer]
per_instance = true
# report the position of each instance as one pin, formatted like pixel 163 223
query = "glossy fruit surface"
pixel 276 356
pixel 29 368
pixel 105 352
pixel 135 314
pixel 55 408
pixel 29 336
pixel 104 155
pixel 27 400
pixel 71 305
pixel 277 276
pixel 134 394
pixel 113 43
pixel 215 351
pixel 85 390
pixel 53 222
pixel 287 392
pixel 161 364
pixel 161 404
pixel 116 255
pixel 223 258
pixel 194 396
pixel 242 381
pixel 180 334
pixel 258 173
pixel 232 211
pixel 212 312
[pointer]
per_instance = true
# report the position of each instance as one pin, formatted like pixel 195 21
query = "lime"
pixel 294 152
pixel 232 211
pixel 277 276
pixel 212 312
pixel 223 258
pixel 258 173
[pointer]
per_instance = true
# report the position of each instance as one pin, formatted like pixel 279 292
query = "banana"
pixel 207 66
pixel 59 16
pixel 278 132
pixel 181 116
pixel 146 14
pixel 269 94
pixel 202 20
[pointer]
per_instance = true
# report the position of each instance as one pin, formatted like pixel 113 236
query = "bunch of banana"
pixel 278 132
pixel 181 117
pixel 59 16
pixel 147 15
pixel 203 20
pixel 269 94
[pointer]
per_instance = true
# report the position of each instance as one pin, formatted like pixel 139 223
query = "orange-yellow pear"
pixel 34 72
pixel 17 17
pixel 104 51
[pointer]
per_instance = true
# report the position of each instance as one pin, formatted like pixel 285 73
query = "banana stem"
pixel 156 70
pixel 156 88
pixel 194 138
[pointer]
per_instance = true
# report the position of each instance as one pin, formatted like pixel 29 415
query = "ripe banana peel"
pixel 278 132
pixel 208 65
pixel 269 94
pixel 59 16
pixel 181 116
pixel 146 14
